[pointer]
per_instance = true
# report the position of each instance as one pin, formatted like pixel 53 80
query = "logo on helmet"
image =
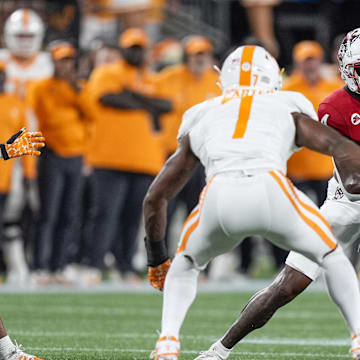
pixel 349 57
pixel 246 66
pixel 355 119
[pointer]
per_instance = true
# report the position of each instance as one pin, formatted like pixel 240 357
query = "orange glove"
pixel 157 274
pixel 22 143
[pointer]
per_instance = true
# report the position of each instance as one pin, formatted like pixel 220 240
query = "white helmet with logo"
pixel 349 60
pixel 250 66
pixel 24 33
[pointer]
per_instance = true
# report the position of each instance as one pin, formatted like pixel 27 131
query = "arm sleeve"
pixel 330 116
pixel 124 100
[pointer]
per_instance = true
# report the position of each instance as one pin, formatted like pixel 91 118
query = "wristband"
pixel 4 153
pixel 156 252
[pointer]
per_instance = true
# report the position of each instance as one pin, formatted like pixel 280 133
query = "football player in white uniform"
pixel 340 111
pixel 244 139
pixel 23 34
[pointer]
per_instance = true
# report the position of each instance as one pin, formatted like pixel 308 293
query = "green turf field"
pixel 123 326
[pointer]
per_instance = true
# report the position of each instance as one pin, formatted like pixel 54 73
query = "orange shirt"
pixel 57 107
pixel 184 90
pixel 123 139
pixel 307 164
pixel 12 119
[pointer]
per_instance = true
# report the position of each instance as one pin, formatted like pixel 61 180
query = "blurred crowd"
pixel 107 83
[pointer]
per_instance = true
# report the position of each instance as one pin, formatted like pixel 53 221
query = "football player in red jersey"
pixel 341 111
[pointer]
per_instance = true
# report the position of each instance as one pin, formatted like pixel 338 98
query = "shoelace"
pixel 19 351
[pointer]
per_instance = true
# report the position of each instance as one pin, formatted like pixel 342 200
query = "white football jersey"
pixel 18 75
pixel 245 129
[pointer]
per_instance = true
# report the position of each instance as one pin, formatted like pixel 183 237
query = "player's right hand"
pixel 22 143
pixel 157 274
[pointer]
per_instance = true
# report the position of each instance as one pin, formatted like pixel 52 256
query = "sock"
pixel 6 346
pixel 220 349
pixel 343 287
pixel 179 293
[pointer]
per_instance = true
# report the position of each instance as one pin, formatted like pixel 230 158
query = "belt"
pixel 244 173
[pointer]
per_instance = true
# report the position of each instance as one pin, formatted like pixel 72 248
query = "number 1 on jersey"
pixel 243 118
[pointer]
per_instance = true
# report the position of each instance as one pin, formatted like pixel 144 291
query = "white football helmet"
pixel 349 60
pixel 24 33
pixel 250 66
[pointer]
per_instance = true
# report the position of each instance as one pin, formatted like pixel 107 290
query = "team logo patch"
pixel 355 119
pixel 338 194
pixel 246 66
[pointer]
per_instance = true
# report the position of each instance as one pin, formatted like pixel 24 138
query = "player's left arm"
pixel 323 139
pixel 176 172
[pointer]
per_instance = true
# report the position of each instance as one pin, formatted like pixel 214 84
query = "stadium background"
pixel 94 28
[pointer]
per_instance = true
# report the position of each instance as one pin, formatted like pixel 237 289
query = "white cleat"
pixel 355 347
pixel 212 354
pixel 18 354
pixel 167 348
pixel 209 355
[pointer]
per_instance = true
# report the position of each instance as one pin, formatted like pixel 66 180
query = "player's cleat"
pixel 355 347
pixel 209 355
pixel 167 348
pixel 18 354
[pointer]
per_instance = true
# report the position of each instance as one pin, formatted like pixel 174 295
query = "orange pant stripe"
pixel 191 216
pixel 192 227
pixel 308 221
pixel 306 206
pixel 187 235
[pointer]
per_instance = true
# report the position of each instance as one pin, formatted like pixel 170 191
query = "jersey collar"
pixel 354 95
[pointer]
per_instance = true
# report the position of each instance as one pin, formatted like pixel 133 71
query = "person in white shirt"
pixel 24 62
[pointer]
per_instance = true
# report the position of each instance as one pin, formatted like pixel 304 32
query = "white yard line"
pixel 113 311
pixel 118 350
pixel 121 335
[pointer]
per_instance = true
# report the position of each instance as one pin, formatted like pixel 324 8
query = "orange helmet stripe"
pixel 26 17
pixel 245 65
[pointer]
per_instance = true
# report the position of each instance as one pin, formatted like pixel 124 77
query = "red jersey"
pixel 341 111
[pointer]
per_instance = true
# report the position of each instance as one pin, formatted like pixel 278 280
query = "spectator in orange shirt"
pixel 56 102
pixel 128 150
pixel 188 84
pixel 309 170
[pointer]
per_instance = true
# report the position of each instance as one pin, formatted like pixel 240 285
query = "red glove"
pixel 22 143
pixel 157 274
